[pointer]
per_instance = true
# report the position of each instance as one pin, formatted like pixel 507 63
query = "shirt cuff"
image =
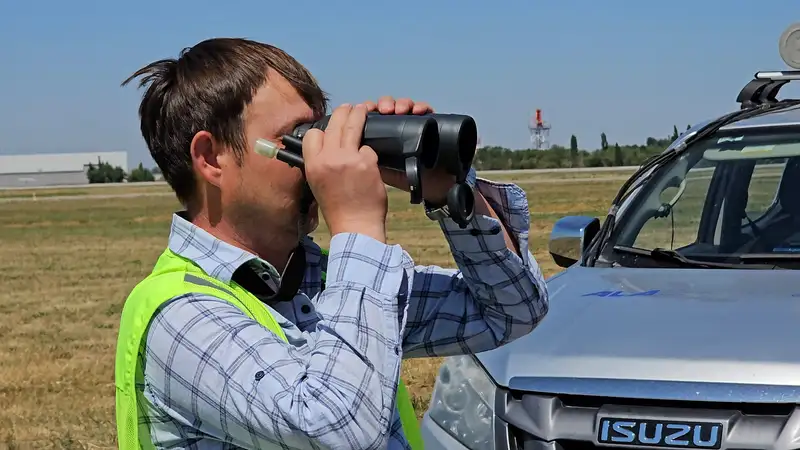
pixel 359 259
pixel 484 234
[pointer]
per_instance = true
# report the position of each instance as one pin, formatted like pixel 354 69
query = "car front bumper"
pixel 538 421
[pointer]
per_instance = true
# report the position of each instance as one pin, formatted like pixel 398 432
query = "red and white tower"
pixel 540 131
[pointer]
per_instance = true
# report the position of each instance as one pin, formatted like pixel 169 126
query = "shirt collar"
pixel 216 257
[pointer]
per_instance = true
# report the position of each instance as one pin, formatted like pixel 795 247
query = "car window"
pixel 731 195
pixel 763 189
pixel 679 227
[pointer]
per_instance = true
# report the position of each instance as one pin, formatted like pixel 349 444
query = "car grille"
pixel 529 421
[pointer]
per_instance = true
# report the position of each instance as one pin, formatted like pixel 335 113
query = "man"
pixel 215 351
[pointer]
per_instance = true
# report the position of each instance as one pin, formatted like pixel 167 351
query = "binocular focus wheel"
pixel 414 179
pixel 461 204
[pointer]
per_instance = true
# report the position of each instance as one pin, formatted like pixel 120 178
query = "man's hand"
pixel 344 176
pixel 435 184
pixel 388 105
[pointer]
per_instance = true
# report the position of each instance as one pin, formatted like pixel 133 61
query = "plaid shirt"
pixel 215 379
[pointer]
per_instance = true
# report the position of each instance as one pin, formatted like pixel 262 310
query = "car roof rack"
pixel 764 87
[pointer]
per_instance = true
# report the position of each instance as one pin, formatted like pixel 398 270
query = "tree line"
pixel 606 155
pixel 103 172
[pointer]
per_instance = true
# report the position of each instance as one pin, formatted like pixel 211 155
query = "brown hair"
pixel 207 88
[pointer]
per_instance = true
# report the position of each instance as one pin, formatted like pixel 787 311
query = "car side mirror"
pixel 570 238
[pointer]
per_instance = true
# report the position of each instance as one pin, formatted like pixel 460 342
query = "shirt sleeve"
pixel 494 297
pixel 219 373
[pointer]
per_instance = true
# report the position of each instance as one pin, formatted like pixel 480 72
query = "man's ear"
pixel 205 152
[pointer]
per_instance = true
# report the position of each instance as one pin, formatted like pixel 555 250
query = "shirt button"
pixel 305 309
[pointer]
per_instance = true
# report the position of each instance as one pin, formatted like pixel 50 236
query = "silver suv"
pixel 676 323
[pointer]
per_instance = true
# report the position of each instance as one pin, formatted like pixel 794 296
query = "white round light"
pixel 789 46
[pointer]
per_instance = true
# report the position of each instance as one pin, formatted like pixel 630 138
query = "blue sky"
pixel 629 68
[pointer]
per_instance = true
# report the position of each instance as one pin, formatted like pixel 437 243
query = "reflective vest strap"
pixel 173 276
pixel 139 308
pixel 408 417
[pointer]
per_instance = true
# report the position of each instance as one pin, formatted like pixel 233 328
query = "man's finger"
pixel 312 144
pixel 421 108
pixel 368 154
pixel 371 106
pixel 334 130
pixel 354 128
pixel 386 104
pixel 394 178
pixel 403 106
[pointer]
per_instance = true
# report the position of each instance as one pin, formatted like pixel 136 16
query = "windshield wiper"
pixel 666 255
pixel 791 259
pixel 659 161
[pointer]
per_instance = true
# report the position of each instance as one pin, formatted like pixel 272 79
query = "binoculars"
pixel 411 144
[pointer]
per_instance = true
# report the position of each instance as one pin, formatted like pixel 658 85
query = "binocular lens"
pixel 458 136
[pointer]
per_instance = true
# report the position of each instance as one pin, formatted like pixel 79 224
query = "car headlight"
pixel 463 402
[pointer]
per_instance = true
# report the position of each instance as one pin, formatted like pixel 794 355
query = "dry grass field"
pixel 67 264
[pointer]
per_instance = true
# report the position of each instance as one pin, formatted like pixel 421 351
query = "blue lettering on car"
pixel 622 293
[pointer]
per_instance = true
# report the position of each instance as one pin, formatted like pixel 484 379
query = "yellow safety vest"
pixel 174 275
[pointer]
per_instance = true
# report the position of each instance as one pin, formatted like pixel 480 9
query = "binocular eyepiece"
pixel 412 144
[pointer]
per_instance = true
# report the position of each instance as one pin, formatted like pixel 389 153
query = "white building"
pixel 54 169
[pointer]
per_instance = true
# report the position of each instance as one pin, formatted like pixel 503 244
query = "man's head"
pixel 200 117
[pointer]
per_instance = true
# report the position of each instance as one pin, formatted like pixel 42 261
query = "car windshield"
pixel 733 199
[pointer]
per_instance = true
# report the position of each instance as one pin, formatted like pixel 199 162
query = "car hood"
pixel 704 325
